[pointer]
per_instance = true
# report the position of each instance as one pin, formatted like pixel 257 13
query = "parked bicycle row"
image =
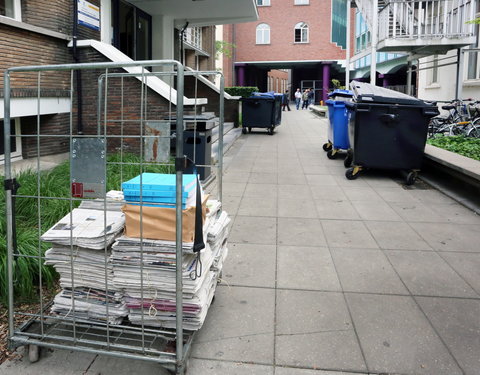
pixel 462 118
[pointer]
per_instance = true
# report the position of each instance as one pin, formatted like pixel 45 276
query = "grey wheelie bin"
pixel 262 110
pixel 387 130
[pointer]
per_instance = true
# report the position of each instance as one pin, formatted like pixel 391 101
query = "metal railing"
pixel 426 19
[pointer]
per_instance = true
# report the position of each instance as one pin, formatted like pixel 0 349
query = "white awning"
pixel 201 12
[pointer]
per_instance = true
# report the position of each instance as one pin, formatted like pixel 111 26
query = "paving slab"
pixel 328 193
pixel 396 235
pixel 300 232
pixel 263 178
pixel 321 180
pixel 450 237
pixel 457 321
pixel 298 371
pixel 425 273
pixel 238 327
pixel 362 194
pixel 367 271
pixel 456 213
pixel 397 338
pixel 52 362
pixel 209 367
pixel 300 208
pixel 352 234
pixel 375 211
pixel 250 265
pixel 314 330
pixel 467 265
pixel 306 268
pixel 413 212
pixel 254 229
pixel 395 194
pixel 254 206
pixel 234 189
pixel 335 209
pixel 261 190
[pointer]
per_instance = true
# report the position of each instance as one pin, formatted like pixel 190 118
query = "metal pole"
pixel 347 60
pixel 374 33
pixel 459 86
pixel 409 77
pixel 179 224
pixel 8 200
pixel 220 138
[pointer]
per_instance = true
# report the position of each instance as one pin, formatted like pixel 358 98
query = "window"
pixel 434 70
pixel 11 9
pixel 302 2
pixel 263 34
pixel 262 3
pixel 301 32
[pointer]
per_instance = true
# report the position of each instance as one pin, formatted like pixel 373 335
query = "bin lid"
pixel 367 93
pixel 340 92
pixel 266 95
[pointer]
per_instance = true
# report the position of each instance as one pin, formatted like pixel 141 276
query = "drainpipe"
pixel 347 62
pixel 78 73
pixel 181 34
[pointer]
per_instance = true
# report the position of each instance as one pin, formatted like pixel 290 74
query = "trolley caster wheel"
pixel 244 130
pixel 249 129
pixel 352 173
pixel 33 353
pixel 327 146
pixel 332 154
pixel 347 162
pixel 411 178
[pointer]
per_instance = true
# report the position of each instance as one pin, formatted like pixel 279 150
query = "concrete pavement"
pixel 326 275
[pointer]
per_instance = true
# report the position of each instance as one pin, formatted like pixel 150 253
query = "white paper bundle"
pixel 86 228
pixel 90 304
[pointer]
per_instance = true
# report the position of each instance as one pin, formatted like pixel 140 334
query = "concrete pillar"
pixel 347 60
pixel 374 41
pixel 325 81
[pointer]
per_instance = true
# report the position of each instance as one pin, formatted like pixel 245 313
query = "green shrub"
pixel 466 146
pixel 243 91
pixel 52 183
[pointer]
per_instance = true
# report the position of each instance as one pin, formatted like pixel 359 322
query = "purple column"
pixel 384 78
pixel 240 74
pixel 325 81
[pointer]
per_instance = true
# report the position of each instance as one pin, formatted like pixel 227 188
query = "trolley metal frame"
pixel 125 341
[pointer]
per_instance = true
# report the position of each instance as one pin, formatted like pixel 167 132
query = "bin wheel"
pixel 271 130
pixel 347 162
pixel 33 353
pixel 327 146
pixel 332 154
pixel 249 129
pixel 244 130
pixel 352 173
pixel 411 178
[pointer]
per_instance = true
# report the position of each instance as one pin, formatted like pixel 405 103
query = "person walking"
pixel 305 99
pixel 298 98
pixel 311 97
pixel 285 100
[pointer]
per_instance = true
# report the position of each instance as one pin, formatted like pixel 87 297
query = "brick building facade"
pixel 306 36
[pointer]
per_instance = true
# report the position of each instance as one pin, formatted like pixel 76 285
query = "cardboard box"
pixel 158 223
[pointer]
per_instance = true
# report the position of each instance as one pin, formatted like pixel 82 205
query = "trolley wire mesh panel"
pixel 139 297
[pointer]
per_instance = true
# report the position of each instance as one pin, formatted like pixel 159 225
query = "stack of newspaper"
pixel 145 270
pixel 81 254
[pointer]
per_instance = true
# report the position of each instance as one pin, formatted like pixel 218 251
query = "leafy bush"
pixel 466 146
pixel 243 91
pixel 53 183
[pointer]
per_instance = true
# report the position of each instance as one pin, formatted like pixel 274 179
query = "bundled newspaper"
pixel 150 290
pixel 81 254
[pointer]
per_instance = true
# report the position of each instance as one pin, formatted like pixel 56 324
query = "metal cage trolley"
pixel 132 123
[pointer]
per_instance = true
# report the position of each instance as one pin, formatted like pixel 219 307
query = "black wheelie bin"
pixel 262 110
pixel 387 130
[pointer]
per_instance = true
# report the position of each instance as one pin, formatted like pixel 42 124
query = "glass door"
pixel 132 30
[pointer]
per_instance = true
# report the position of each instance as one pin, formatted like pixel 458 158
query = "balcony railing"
pixel 193 37
pixel 426 19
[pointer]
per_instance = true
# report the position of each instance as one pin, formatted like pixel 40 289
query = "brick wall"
pixel 282 17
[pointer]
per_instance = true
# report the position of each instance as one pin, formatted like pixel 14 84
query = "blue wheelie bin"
pixel 262 110
pixel 338 118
